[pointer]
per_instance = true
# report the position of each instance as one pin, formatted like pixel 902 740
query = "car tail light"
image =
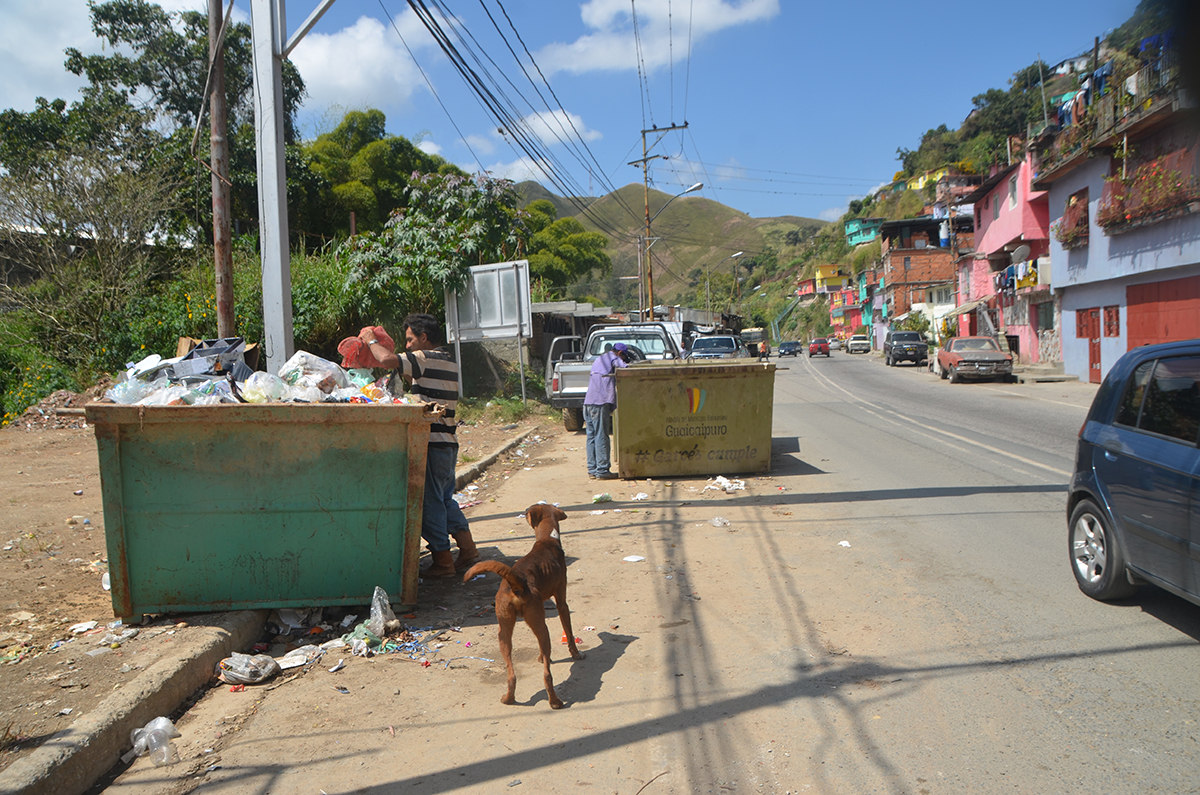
pixel 1081 427
pixel 554 384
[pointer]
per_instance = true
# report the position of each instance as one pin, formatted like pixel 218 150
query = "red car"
pixel 973 357
pixel 819 345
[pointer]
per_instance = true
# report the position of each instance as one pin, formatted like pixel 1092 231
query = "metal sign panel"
pixel 494 304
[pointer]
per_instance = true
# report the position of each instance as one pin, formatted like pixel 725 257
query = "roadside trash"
pixel 349 620
pixel 237 688
pixel 301 656
pixel 66 710
pixel 105 581
pixel 336 643
pixel 605 497
pixel 308 370
pixel 155 739
pixel 844 544
pixel 633 558
pixel 345 691
pixel 112 637
pixel 722 483
pixel 83 626
pixel 719 521
pixel 641 495
pixel 99 651
pixel 360 648
pixel 263 388
pixel 598 513
pixel 383 621
pixel 79 493
pixel 246 669
pixel 340 665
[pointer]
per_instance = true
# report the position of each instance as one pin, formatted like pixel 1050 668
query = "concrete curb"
pixel 465 475
pixel 69 762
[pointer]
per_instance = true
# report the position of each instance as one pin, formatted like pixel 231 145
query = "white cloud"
pixel 833 213
pixel 481 144
pixel 517 170
pixel 429 147
pixel 32 39
pixel 612 46
pixel 362 65
pixel 553 127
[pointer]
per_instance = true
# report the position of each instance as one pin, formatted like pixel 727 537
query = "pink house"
pixel 1004 289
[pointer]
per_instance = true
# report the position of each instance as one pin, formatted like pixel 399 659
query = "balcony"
pixel 1157 190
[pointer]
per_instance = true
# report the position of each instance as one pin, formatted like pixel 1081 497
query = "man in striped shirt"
pixel 434 377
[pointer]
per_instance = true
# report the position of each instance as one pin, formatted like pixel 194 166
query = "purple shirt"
pixel 602 386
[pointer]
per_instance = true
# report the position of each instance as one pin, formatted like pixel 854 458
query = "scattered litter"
pixel 641 495
pixel 722 483
pixel 633 558
pixel 719 521
pixel 340 665
pixel 349 620
pixel 66 710
pixel 382 621
pixel 472 487
pixel 154 738
pixel 605 497
pixel 79 493
pixel 99 651
pixel 246 669
pixel 83 626
pixel 105 581
pixel 844 544
pixel 345 691
pixel 336 643
pixel 589 629
pixel 598 513
pixel 298 657
pixel 237 688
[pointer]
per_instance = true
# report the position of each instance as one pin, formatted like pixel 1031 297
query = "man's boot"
pixel 443 566
pixel 468 554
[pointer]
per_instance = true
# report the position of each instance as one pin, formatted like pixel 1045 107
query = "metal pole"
pixel 222 250
pixel 269 30
pixel 520 338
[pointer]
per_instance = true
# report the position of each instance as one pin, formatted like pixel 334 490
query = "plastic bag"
pixel 304 394
pixel 306 369
pixel 246 669
pixel 382 618
pixel 263 388
pixel 356 353
pixel 360 377
pixel 171 396
pixel 154 738
pixel 133 390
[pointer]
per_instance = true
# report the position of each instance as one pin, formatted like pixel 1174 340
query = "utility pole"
pixel 644 249
pixel 218 117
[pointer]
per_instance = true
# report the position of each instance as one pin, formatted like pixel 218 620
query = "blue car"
pixel 1134 507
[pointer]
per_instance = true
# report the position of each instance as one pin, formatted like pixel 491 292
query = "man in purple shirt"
pixel 598 408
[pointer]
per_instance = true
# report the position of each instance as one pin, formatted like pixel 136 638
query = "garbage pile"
pixel 214 372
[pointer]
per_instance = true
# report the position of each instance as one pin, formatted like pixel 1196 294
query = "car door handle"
pixel 1110 455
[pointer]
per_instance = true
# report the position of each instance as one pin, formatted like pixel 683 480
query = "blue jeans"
pixel 597 421
pixel 441 516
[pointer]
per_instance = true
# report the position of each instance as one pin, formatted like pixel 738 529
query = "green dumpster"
pixel 694 419
pixel 276 505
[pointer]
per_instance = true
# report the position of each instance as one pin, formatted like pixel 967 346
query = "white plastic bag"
pixel 382 618
pixel 247 669
pixel 263 388
pixel 154 738
pixel 306 369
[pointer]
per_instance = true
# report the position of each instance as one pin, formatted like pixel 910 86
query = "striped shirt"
pixel 434 377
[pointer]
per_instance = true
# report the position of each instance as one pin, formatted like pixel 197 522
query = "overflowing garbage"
pixel 155 739
pixel 216 371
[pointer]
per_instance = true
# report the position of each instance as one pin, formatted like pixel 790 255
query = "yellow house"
pixel 916 183
pixel 831 278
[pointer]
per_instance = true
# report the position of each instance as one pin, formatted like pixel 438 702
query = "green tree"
pixel 449 223
pixel 562 251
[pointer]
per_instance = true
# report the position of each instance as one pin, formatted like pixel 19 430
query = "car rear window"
pixel 976 345
pixel 648 343
pixel 1163 397
pixel 713 343
pixel 906 336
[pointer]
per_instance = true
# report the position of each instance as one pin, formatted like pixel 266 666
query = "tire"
pixel 573 419
pixel 955 378
pixel 887 360
pixel 1097 560
pixel 943 373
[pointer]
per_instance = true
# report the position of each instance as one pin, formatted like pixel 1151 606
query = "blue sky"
pixel 793 108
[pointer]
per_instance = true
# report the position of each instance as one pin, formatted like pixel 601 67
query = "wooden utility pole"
pixel 218 117
pixel 644 249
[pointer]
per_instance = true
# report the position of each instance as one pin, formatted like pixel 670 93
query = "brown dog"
pixel 531 580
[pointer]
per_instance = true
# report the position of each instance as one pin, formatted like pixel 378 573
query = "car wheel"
pixel 1096 557
pixel 573 419
pixel 888 361
pixel 955 378
pixel 943 372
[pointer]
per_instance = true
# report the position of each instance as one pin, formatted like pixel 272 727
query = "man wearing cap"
pixel 598 408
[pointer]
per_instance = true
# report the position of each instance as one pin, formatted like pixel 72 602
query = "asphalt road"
pixel 890 612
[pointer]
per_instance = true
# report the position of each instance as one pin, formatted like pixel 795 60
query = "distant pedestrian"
pixel 598 407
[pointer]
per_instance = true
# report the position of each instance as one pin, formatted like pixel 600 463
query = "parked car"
pixel 717 347
pixel 791 348
pixel 973 357
pixel 819 345
pixel 901 346
pixel 858 343
pixel 835 344
pixel 1131 505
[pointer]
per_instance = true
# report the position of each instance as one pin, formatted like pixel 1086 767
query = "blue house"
pixel 862 230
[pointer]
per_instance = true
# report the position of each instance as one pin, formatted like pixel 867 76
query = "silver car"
pixel 858 343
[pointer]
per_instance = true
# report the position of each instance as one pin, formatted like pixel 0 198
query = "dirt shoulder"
pixel 53 558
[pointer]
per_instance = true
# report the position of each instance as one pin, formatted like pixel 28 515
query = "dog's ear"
pixel 534 513
pixel 559 513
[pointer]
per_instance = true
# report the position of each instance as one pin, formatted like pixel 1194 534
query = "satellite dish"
pixel 1020 254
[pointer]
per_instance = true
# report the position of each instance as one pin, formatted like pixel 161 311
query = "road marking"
pixel 955 436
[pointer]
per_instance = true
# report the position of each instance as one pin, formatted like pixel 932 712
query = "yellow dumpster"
pixel 694 419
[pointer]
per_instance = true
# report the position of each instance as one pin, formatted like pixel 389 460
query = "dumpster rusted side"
pixel 277 505
pixel 694 419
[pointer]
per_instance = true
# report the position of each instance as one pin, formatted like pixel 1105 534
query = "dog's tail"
pixel 519 587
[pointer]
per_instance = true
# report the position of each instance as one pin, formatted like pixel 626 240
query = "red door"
pixel 1087 325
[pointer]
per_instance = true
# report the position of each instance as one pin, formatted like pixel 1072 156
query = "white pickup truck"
pixel 569 361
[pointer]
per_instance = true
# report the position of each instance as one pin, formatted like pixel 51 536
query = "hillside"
pixel 693 233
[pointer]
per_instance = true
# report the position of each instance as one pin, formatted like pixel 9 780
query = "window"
pixel 1045 316
pixel 996 208
pixel 1012 191
pixel 1112 321
pixel 1172 405
pixel 1131 403
pixel 907 262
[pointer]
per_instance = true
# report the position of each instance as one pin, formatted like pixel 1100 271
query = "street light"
pixel 708 280
pixel 646 243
